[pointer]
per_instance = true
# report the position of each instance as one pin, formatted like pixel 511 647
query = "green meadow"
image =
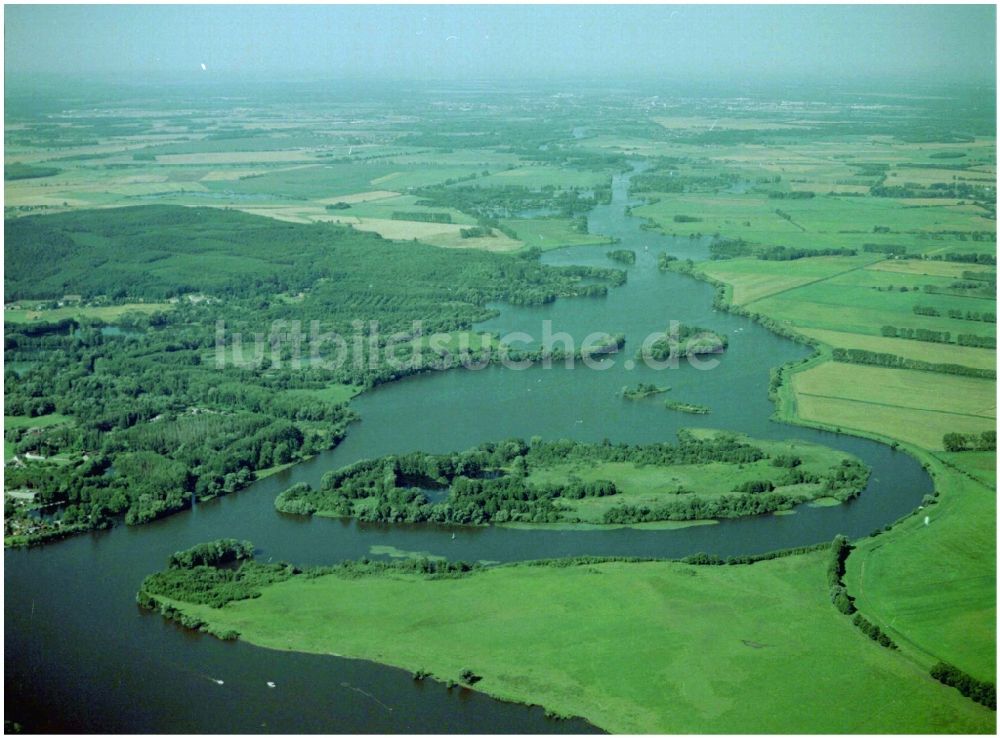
pixel 107 313
pixel 632 647
pixel 17 422
pixel 551 233
pixel 932 585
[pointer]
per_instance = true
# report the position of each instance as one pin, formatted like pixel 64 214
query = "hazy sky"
pixel 441 42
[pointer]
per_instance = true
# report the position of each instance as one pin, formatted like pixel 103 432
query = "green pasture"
pixel 632 647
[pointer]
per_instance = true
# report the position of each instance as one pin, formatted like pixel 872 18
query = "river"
pixel 82 657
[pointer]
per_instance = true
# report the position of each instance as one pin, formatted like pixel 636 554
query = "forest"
pixel 151 421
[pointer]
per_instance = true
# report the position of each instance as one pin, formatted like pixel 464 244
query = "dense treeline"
pixel 729 248
pixel 959 190
pixel 971 339
pixel 791 194
pixel 787 253
pixel 670 181
pixel 663 261
pixel 985 693
pixel 732 248
pixel 642 390
pixel 697 508
pixel 916 334
pixel 687 407
pixel 892 249
pixel 210 585
pixel 968 257
pixel 840 549
pixel 422 215
pixel 622 256
pixel 476 232
pixel 874 358
pixel 752 498
pixel 873 631
pixel 985 441
pixel 146 252
pixel 923 334
pixel 985 317
pixel 489 484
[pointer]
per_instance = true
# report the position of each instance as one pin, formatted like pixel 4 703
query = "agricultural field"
pixel 754 279
pixel 820 222
pixel 918 407
pixel 372 184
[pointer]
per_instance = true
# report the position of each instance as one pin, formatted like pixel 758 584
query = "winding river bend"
pixel 80 655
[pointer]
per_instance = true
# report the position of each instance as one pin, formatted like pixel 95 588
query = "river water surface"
pixel 81 656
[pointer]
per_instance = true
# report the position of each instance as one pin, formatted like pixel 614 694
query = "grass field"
pixel 551 233
pixel 40 421
pixel 11 422
pixel 446 235
pixel 333 393
pixel 721 647
pixel 754 279
pixel 649 485
pixel 933 587
pixel 545 176
pixel 928 268
pixel 108 313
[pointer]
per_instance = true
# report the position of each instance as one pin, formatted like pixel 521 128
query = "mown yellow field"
pixel 231 175
pixel 732 124
pixel 107 312
pixel 359 197
pixel 215 158
pixel 446 235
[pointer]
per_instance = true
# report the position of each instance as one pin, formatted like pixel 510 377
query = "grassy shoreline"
pixel 497 623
